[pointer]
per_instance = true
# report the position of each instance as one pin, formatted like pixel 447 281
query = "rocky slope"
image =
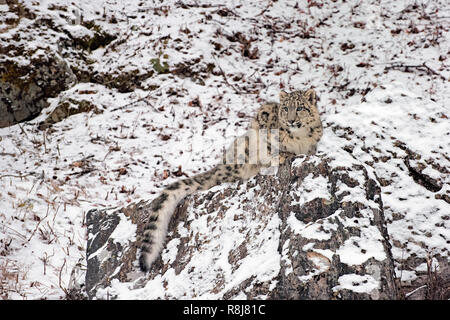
pixel 122 98
pixel 316 230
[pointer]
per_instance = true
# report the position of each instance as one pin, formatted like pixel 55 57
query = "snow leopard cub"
pixel 292 126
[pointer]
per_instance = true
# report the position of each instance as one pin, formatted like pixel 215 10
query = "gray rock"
pixel 100 227
pixel 352 249
pixel 325 219
pixel 65 108
pixel 24 89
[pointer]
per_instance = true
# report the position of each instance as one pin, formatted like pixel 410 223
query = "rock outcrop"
pixel 315 230
pixel 346 253
pixel 43 55
pixel 24 89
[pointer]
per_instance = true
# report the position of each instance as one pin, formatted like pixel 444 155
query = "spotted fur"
pixel 297 128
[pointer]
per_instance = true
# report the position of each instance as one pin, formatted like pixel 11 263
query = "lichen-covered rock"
pixel 122 80
pixel 315 230
pixel 66 108
pixel 24 88
pixel 94 39
pixel 43 55
pixel 16 11
pixel 335 244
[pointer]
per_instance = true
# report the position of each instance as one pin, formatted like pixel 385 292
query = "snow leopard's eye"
pixel 285 109
pixel 299 109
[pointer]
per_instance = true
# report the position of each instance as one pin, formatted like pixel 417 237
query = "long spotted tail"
pixel 164 205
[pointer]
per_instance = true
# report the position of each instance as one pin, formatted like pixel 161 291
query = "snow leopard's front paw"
pixel 283 156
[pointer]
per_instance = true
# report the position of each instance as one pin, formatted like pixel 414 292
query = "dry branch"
pixel 406 67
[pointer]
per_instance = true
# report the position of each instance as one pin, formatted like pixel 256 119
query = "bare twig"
pixel 265 9
pixel 415 66
pixel 16 176
pixel 83 172
pixel 45 144
pixel 23 131
pixel 136 101
pixel 17 232
pixel 45 260
pixel 39 222
pixel 225 77
pixel 60 278
pixel 134 126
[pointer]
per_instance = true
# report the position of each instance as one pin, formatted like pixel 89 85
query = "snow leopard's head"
pixel 296 108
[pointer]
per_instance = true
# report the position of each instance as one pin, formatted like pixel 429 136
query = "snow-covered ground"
pixel 224 59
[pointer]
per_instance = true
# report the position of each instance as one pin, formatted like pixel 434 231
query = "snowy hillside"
pixel 154 91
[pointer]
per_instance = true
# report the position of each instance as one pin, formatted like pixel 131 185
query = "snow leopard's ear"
pixel 283 95
pixel 310 96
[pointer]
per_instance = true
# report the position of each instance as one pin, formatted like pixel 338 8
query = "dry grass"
pixel 434 285
pixel 438 284
pixel 10 280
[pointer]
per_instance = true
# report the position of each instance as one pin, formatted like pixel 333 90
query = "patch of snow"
pixel 310 189
pixel 356 283
pixel 125 231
